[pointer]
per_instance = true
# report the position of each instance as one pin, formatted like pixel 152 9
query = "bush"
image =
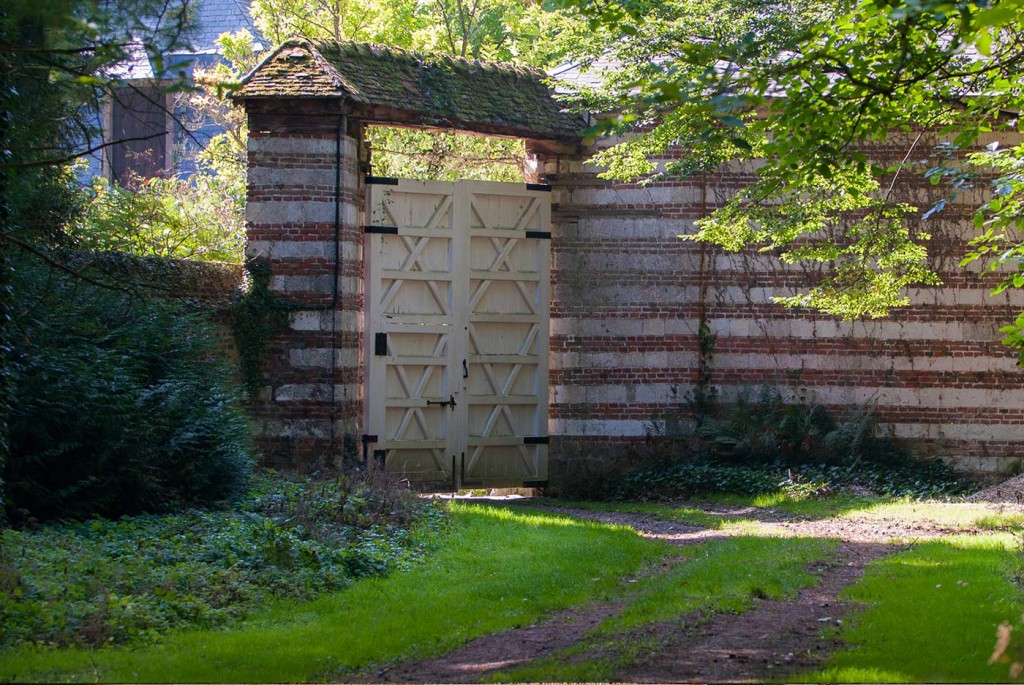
pixel 775 428
pixel 772 444
pixel 197 218
pixel 103 582
pixel 121 405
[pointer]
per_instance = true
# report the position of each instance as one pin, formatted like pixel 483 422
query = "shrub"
pixel 198 218
pixel 776 428
pixel 771 444
pixel 121 405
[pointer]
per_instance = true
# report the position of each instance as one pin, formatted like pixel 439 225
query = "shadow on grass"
pixel 715 510
pixel 497 569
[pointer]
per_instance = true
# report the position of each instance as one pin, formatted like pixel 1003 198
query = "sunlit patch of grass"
pixel 808 507
pixel 496 570
pixel 729 575
pixel 951 514
pixel 724 575
pixel 931 614
pixel 686 515
pixel 1001 521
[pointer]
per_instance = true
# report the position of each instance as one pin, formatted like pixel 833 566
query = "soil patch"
pixel 1011 491
pixel 773 640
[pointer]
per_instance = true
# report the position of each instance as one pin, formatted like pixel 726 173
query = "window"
pixel 139 117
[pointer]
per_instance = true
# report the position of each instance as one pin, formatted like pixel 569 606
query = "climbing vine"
pixel 257 316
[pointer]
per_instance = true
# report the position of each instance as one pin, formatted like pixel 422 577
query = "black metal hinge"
pixel 381 181
pixel 380 344
pixel 544 187
pixel 387 230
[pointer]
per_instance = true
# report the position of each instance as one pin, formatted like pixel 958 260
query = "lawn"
pixel 930 614
pixel 497 569
pixel 929 611
pixel 730 575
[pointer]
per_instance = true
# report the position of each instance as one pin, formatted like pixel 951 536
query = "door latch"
pixel 442 403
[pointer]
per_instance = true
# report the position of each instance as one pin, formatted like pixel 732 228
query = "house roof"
pixel 389 85
pixel 573 76
pixel 213 18
pixel 217 17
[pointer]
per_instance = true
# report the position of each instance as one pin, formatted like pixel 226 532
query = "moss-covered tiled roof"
pixel 429 90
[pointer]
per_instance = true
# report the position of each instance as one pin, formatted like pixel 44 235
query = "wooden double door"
pixel 458 292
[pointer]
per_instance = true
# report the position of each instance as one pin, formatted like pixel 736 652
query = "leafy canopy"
pixel 802 88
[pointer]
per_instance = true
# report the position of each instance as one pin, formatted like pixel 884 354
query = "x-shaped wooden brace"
pixel 503 389
pixel 415 246
pixel 413 392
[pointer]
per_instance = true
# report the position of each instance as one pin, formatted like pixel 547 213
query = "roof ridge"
pixel 367 49
pixel 329 69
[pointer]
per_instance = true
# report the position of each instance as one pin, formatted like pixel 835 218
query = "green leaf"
pixel 983 41
pixel 998 16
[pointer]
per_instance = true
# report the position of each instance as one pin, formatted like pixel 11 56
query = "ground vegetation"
pixel 100 582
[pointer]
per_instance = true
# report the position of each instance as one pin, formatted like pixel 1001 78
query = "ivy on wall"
pixel 256 316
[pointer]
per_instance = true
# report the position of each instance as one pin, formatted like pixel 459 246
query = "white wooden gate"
pixel 458 289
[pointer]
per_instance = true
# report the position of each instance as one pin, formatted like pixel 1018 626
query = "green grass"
pixel 931 614
pixel 498 569
pixel 801 506
pixel 724 575
pixel 806 507
pixel 728 575
pixel 952 514
pixel 686 515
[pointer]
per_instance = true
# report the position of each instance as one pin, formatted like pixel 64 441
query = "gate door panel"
pixel 507 384
pixel 458 281
pixel 410 307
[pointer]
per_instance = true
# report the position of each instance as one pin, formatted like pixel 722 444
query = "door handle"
pixel 465 369
pixel 450 402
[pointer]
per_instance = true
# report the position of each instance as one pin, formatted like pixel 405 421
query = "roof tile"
pixel 438 90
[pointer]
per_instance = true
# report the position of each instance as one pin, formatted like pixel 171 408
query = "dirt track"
pixel 775 639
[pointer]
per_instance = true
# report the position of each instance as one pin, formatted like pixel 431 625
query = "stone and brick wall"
pixel 629 298
pixel 299 203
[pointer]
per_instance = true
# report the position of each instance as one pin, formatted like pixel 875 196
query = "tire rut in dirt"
pixel 775 639
pixel 501 651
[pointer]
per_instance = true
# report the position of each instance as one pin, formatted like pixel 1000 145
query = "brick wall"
pixel 309 410
pixel 629 297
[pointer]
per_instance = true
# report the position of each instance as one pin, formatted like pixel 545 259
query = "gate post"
pixel 303 221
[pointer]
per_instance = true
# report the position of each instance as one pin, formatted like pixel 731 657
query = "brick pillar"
pixel 302 216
